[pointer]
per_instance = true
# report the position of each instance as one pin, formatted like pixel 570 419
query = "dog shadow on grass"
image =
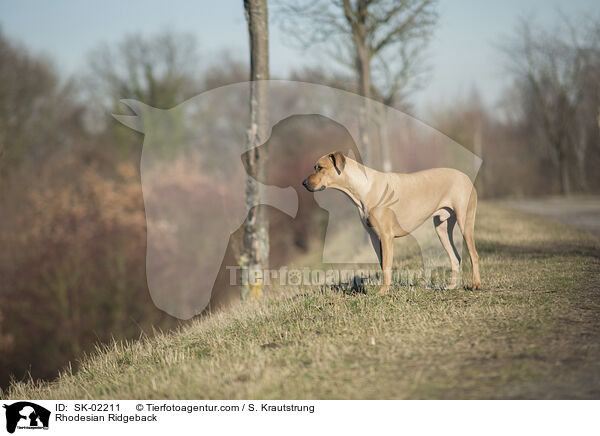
pixel 357 285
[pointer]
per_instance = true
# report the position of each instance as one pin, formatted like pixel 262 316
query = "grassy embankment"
pixel 533 332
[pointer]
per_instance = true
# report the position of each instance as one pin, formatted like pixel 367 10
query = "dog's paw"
pixel 384 290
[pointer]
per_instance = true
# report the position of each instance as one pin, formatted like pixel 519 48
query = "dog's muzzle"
pixel 305 184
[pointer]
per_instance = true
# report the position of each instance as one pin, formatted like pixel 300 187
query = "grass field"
pixel 532 332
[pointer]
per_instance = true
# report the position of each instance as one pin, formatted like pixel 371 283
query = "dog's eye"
pixel 318 168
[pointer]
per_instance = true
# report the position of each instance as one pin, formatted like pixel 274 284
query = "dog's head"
pixel 328 171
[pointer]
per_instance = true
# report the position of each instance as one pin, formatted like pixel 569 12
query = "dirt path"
pixel 579 211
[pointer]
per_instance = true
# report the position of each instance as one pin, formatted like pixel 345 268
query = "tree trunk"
pixel 364 89
pixel 255 254
pixel 565 188
pixel 580 156
pixel 363 68
pixel 384 140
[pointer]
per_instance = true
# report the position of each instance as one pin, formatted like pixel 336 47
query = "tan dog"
pixel 393 205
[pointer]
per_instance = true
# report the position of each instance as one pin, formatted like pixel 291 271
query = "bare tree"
pixel 30 94
pixel 158 70
pixel 379 40
pixel 585 41
pixel 256 230
pixel 553 70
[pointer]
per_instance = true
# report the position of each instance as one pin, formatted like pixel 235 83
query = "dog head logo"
pixel 194 179
pixel 26 415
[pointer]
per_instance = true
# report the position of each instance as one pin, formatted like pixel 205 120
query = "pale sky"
pixel 461 55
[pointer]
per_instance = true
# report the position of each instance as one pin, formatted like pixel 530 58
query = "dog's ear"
pixel 339 161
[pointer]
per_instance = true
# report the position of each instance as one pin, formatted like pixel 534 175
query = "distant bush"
pixel 72 268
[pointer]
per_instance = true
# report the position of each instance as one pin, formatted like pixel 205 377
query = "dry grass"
pixel 531 333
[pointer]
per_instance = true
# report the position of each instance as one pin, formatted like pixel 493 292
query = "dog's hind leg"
pixel 466 222
pixel 444 226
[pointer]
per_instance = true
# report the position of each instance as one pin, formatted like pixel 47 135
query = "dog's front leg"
pixel 387 257
pixel 378 218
